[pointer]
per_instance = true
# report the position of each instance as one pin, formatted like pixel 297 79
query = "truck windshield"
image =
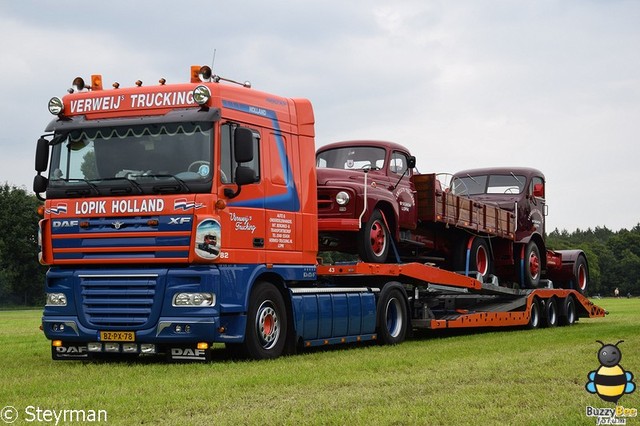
pixel 350 158
pixel 169 157
pixel 488 184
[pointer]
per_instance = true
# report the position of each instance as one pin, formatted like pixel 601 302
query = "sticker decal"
pixel 207 243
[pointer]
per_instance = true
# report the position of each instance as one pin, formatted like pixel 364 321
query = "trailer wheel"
pixel 534 315
pixel 568 312
pixel 550 317
pixel 266 330
pixel 530 266
pixel 391 315
pixel 373 239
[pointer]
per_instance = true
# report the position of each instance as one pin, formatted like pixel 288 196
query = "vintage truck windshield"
pixel 350 158
pixel 145 159
pixel 488 184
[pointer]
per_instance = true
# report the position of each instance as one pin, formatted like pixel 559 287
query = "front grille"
pixel 118 301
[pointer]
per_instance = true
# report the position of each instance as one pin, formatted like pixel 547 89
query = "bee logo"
pixel 610 381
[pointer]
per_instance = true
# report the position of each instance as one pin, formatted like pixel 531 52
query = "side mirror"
pixel 243 145
pixel 538 190
pixel 411 162
pixel 40 184
pixel 42 155
pixel 244 176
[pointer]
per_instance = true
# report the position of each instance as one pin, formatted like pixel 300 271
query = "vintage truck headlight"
pixel 342 198
pixel 56 299
pixel 194 299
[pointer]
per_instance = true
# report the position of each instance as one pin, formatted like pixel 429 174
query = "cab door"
pixel 400 173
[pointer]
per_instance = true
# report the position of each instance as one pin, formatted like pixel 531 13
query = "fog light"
pixel 94 347
pixel 187 328
pixel 112 347
pixel 130 348
pixel 148 348
pixel 178 328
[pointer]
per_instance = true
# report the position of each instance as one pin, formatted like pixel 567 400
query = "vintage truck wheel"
pixel 530 266
pixel 479 256
pixel 581 275
pixel 374 239
pixel 266 330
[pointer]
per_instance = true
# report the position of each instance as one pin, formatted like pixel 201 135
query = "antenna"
pixel 213 60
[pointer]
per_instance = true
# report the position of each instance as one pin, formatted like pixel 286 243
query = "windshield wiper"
pixel 132 183
pixel 164 188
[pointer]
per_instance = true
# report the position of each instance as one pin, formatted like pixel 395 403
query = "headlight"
pixel 56 299
pixel 342 198
pixel 194 299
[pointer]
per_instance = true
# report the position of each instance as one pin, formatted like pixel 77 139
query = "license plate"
pixel 117 336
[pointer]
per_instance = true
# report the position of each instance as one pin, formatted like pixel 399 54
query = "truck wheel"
pixel 266 330
pixel 530 266
pixel 391 316
pixel 374 239
pixel 581 275
pixel 568 312
pixel 479 256
pixel 550 316
pixel 534 315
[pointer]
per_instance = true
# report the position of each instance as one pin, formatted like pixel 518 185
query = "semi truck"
pixel 179 216
pixel 492 221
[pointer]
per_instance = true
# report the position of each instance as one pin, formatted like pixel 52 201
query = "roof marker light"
pixel 139 83
pixel 96 82
pixel 162 81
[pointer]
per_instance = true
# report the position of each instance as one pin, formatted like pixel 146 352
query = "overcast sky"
pixel 550 84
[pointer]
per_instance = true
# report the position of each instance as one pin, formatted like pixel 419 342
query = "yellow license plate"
pixel 117 336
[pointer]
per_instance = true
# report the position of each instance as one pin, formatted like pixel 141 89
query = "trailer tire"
pixel 534 315
pixel 530 266
pixel 550 313
pixel 391 316
pixel 568 312
pixel 266 331
pixel 374 239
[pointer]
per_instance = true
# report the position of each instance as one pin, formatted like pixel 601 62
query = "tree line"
pixel 614 257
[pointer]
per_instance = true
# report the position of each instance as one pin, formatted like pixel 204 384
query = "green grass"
pixel 502 377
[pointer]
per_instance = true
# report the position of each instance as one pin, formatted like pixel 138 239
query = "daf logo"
pixel 117 224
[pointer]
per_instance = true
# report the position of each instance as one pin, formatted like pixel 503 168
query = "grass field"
pixel 503 377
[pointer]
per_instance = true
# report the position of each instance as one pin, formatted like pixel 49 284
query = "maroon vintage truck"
pixel 485 221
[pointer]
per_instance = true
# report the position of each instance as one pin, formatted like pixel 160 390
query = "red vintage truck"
pixel 371 201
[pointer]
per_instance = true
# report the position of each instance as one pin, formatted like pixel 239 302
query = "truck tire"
pixel 581 275
pixel 530 266
pixel 267 323
pixel 568 311
pixel 391 315
pixel 534 315
pixel 480 259
pixel 550 313
pixel 374 239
